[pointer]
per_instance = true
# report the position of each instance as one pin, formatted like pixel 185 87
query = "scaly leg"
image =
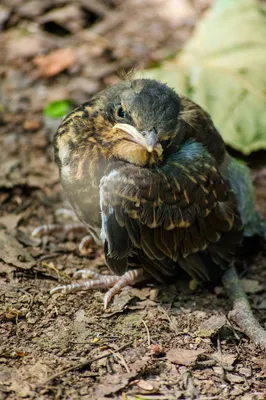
pixel 66 213
pixel 112 282
pixel 51 229
pixel 76 228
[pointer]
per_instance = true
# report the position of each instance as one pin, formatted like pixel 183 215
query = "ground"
pixel 153 342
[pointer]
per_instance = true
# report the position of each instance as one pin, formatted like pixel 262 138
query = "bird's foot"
pixel 51 229
pixel 74 228
pixel 99 281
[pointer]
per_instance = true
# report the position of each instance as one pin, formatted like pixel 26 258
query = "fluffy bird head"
pixel 137 121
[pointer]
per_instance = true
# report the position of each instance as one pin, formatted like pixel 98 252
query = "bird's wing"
pixel 183 212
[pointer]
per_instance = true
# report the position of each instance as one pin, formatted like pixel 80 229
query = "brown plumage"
pixel 144 170
pixel 148 174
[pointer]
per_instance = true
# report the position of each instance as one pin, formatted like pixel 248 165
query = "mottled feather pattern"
pixel 157 210
pixel 152 203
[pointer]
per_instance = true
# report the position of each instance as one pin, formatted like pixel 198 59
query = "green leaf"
pixel 222 68
pixel 57 109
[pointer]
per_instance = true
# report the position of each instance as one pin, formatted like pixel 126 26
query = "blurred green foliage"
pixel 57 109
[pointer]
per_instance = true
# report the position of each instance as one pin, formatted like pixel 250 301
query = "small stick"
pixel 122 360
pixel 81 365
pixel 148 332
pixel 242 314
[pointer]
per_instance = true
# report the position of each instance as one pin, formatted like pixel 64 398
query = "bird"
pixel 148 175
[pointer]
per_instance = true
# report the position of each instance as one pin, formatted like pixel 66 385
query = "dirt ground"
pixel 153 342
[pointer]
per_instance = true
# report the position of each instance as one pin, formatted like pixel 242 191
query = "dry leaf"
pixel 54 62
pixel 32 124
pixel 211 326
pixel 246 372
pixel 225 360
pixel 251 286
pixel 141 294
pixel 145 385
pixel 119 304
pixel 12 252
pixel 112 384
pixel 10 221
pixel 233 378
pixel 183 356
pixel 22 44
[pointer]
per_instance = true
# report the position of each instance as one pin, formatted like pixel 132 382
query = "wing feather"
pixel 180 214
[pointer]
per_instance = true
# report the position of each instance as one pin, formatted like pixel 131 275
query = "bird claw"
pixel 112 282
pixel 51 229
pixel 85 245
pixel 76 228
pixel 66 213
pixel 87 274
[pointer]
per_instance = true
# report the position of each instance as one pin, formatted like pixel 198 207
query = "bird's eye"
pixel 121 112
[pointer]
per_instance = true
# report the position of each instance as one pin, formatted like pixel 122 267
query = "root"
pixel 242 314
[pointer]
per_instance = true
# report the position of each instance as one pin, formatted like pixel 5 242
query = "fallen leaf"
pixel 27 240
pixel 145 385
pixel 54 62
pixel 211 326
pixel 233 378
pixel 143 305
pixel 225 360
pixel 5 270
pixel 246 372
pixel 12 252
pixel 141 294
pixel 183 356
pixel 119 303
pixel 252 286
pixel 262 305
pixel 9 165
pixel 260 361
pixel 10 221
pixel 251 396
pixel 112 384
pixel 32 124
pixel 22 43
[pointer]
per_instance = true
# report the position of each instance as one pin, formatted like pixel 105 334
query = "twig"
pixel 58 273
pixel 242 314
pixel 81 365
pixel 148 333
pixel 122 360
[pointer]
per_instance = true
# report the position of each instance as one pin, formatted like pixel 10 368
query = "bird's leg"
pixel 99 281
pixel 51 229
pixel 75 227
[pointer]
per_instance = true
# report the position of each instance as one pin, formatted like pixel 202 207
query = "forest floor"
pixel 153 342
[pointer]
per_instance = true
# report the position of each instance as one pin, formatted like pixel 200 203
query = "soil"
pixel 153 342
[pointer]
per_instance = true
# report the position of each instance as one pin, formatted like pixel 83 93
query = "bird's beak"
pixel 146 139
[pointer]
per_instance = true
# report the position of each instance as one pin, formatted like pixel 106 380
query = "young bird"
pixel 148 174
